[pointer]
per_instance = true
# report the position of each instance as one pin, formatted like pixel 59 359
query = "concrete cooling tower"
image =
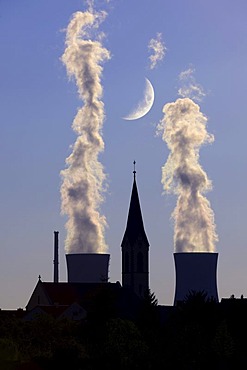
pixel 87 267
pixel 195 272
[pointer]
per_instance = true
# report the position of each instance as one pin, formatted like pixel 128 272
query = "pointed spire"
pixel 134 227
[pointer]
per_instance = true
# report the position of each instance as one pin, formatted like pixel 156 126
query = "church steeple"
pixel 134 228
pixel 135 246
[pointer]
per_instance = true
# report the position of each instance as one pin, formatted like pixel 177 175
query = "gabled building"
pixel 61 294
pixel 78 301
pixel 135 248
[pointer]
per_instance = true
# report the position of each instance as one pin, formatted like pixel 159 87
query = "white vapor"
pixel 190 88
pixel 183 128
pixel 158 48
pixel 83 178
pixel 91 3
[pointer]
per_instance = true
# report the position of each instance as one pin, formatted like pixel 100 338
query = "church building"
pixel 135 248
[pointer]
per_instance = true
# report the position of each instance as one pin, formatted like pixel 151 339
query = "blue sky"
pixel 38 104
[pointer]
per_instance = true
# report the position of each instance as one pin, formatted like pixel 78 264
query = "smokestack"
pixel 195 272
pixel 55 261
pixel 87 267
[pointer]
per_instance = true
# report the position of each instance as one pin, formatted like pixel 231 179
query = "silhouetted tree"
pixel 123 346
pixel 148 312
pixel 102 305
pixel 223 344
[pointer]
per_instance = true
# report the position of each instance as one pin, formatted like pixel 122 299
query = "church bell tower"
pixel 135 248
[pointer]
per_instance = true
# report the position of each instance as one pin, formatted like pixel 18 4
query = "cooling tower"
pixel 195 272
pixel 87 267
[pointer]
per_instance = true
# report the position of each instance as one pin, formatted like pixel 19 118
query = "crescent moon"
pixel 144 105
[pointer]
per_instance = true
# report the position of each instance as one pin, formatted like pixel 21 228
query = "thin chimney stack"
pixel 55 261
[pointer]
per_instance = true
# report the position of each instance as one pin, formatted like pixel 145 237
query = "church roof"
pixel 67 293
pixel 135 227
pixel 88 296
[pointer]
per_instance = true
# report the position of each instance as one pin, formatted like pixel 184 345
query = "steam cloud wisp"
pixel 83 178
pixel 158 49
pixel 190 88
pixel 183 128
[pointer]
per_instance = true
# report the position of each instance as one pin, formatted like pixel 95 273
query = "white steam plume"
pixel 83 178
pixel 184 130
pixel 158 48
pixel 190 88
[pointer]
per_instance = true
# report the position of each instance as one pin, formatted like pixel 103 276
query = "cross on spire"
pixel 134 172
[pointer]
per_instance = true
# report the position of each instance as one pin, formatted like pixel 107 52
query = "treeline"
pixel 198 334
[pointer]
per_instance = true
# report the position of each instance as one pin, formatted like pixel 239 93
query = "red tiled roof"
pixel 68 293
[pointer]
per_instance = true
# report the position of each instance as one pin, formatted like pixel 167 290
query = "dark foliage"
pixel 197 334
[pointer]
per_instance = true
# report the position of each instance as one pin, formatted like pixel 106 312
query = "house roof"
pixel 68 293
pixel 92 296
pixel 19 313
pixel 74 311
pixel 54 311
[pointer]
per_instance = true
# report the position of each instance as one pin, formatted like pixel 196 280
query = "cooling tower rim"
pixel 87 254
pixel 197 253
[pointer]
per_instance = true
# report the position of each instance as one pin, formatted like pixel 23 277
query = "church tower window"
pixel 139 262
pixel 127 262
